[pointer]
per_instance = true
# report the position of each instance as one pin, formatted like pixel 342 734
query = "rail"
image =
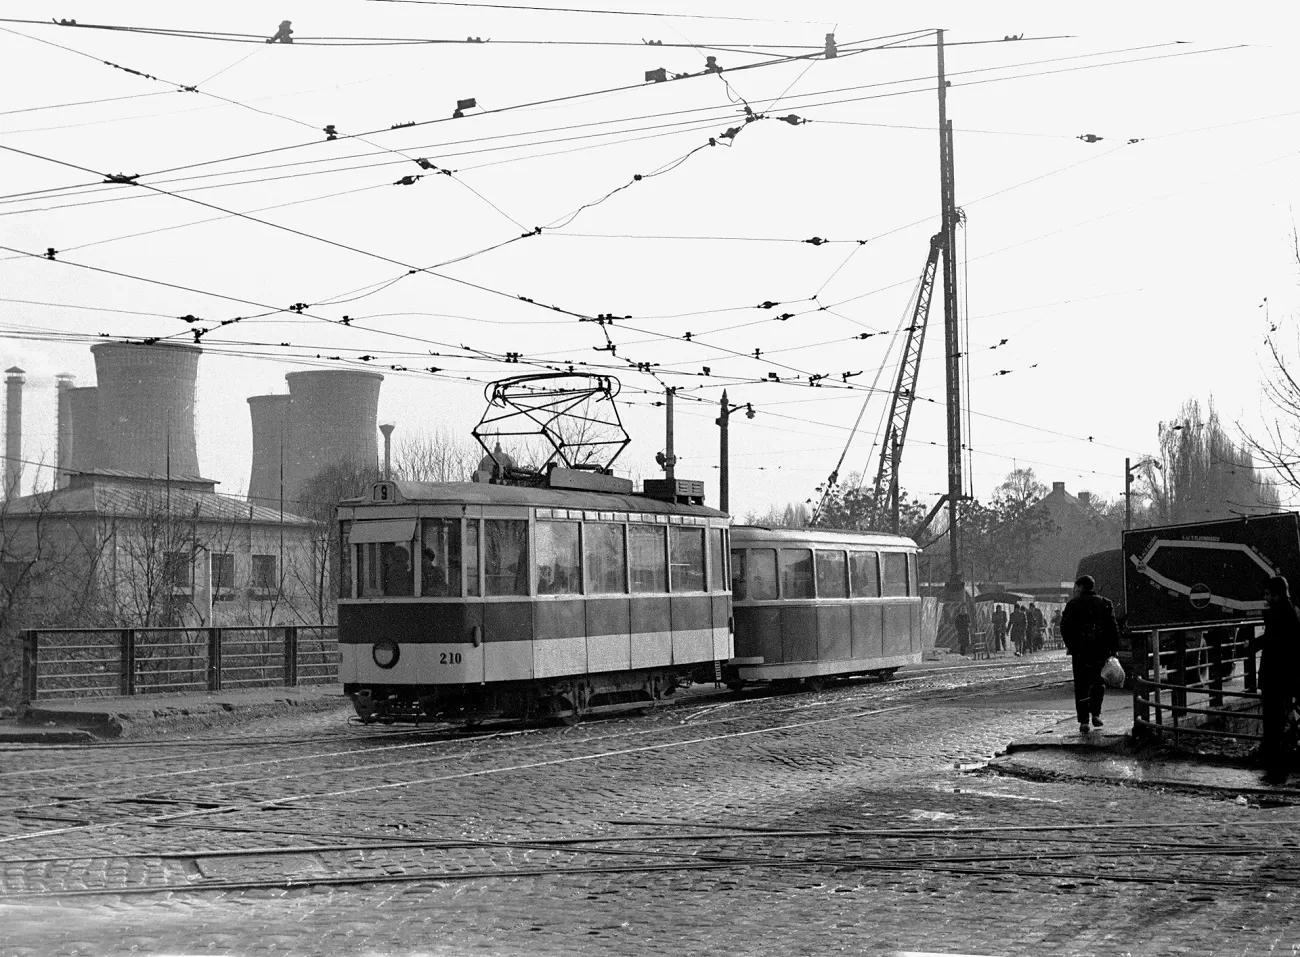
pixel 1188 675
pixel 120 662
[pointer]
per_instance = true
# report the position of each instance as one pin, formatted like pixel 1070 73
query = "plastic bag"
pixel 1112 672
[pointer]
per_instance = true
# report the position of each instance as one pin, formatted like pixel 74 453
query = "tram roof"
pixel 482 493
pixel 741 534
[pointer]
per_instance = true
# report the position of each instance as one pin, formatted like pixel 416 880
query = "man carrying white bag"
pixel 1091 637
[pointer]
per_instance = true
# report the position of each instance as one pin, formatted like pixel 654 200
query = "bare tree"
pixel 318 571
pixel 1201 473
pixel 434 456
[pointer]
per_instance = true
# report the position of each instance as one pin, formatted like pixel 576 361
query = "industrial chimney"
pixel 13 431
pixel 333 415
pixel 63 384
pixel 83 425
pixel 270 415
pixel 146 407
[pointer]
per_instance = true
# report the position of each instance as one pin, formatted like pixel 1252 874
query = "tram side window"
pixel 866 574
pixel 739 584
pixel 687 565
pixel 384 569
pixel 649 561
pixel 832 574
pixel 345 560
pixel 440 557
pixel 895 578
pixel 473 586
pixel 559 566
pixel 606 560
pixel 762 574
pixel 796 573
pixel 717 557
pixel 505 559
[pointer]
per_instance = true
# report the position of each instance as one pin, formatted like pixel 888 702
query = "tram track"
pixel 822 699
pixel 1006 862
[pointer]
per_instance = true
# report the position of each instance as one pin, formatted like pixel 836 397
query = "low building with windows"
pixel 137 550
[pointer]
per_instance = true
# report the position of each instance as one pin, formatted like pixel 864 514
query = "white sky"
pixel 1124 277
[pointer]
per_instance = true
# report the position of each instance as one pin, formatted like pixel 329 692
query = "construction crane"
pixel 884 501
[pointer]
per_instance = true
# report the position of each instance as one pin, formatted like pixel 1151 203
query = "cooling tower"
pixel 83 426
pixel 13 431
pixel 63 384
pixel 333 415
pixel 146 407
pixel 270 428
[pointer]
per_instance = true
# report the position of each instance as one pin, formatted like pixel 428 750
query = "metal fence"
pixel 115 662
pixel 1196 681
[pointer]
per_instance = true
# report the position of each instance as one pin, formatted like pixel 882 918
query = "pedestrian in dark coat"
pixel 962 624
pixel 999 628
pixel 1279 675
pixel 1036 625
pixel 1018 623
pixel 1091 636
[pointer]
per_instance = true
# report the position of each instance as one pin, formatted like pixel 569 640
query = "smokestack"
pixel 146 407
pixel 270 414
pixel 63 384
pixel 83 423
pixel 13 431
pixel 333 418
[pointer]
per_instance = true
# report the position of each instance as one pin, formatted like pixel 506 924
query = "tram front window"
pixel 384 569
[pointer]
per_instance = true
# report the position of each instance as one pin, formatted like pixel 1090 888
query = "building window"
pixel 178 569
pixel 223 577
pixel 264 577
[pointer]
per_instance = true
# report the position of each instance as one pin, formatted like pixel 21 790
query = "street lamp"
pixel 724 473
pixel 1128 482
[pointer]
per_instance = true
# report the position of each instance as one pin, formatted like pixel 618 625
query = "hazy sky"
pixel 1124 277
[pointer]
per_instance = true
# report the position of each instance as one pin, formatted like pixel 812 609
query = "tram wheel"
pixel 561 711
pixel 814 683
pixel 736 685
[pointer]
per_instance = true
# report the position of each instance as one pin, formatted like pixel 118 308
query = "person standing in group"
pixel 1018 624
pixel 1054 634
pixel 999 628
pixel 1036 625
pixel 962 623
pixel 1279 682
pixel 1091 636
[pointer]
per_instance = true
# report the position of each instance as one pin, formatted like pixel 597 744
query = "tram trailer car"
pixel 464 601
pixel 812 604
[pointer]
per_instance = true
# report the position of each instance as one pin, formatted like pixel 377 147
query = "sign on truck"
pixel 1207 573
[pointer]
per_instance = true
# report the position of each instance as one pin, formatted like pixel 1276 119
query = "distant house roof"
pixel 105 493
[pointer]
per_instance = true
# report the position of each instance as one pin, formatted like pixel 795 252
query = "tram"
pixel 811 604
pixel 465 601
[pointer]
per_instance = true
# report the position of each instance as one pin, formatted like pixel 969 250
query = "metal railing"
pixel 1189 677
pixel 119 662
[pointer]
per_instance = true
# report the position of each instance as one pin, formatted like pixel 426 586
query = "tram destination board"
pixel 1207 572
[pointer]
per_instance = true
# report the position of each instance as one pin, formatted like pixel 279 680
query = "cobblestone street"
pixel 861 819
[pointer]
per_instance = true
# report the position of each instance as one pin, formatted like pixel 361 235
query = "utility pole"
pixel 1128 498
pixel 666 459
pixel 724 471
pixel 954 587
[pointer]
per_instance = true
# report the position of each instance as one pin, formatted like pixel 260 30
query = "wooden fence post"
pixel 214 659
pixel 126 662
pixel 31 665
pixel 290 656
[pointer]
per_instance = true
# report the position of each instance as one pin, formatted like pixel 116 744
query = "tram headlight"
pixel 385 653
